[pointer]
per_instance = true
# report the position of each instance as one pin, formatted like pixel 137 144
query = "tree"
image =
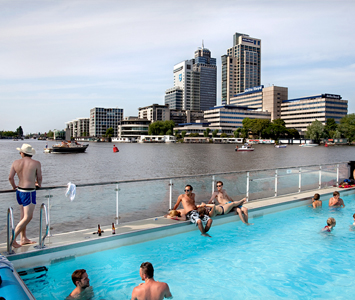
pixel 278 128
pixel 206 133
pixel 195 134
pixel 183 133
pixel 293 133
pixel 214 133
pixel 161 127
pixel 19 131
pixel 247 126
pixel 315 131
pixel 259 126
pixel 347 127
pixel 224 135
pixel 50 134
pixel 109 132
pixel 176 132
pixel 169 132
pixel 237 132
pixel 330 127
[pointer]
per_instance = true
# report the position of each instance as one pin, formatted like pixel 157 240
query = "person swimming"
pixel 330 225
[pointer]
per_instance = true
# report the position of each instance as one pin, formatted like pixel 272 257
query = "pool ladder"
pixel 11 229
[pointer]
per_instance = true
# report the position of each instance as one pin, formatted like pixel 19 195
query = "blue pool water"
pixel 282 256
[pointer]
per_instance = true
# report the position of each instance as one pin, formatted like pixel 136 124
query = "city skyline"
pixel 61 59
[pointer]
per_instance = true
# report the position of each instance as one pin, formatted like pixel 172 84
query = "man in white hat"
pixel 29 174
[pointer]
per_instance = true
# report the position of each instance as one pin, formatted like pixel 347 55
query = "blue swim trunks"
pixel 25 197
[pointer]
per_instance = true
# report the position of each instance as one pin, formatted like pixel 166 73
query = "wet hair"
pixel 336 193
pixel 316 197
pixel 219 182
pixel 354 216
pixel 191 188
pixel 147 269
pixel 77 275
pixel 174 213
pixel 331 221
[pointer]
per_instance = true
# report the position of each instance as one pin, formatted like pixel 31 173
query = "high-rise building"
pixel 102 119
pixel 154 112
pixel 196 81
pixel 240 66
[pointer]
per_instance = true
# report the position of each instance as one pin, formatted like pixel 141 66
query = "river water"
pixel 139 161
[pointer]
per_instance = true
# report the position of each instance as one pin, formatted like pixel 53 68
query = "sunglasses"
pixel 187 190
pixel 219 185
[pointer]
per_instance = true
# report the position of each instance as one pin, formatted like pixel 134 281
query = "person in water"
pixel 29 173
pixel 336 201
pixel 223 199
pixel 315 201
pixel 81 281
pixel 188 202
pixel 330 225
pixel 150 289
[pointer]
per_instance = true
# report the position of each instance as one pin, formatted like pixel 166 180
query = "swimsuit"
pixel 222 209
pixel 239 206
pixel 327 229
pixel 193 216
pixel 25 196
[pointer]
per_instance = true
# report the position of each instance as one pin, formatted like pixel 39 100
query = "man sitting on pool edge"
pixel 223 198
pixel 81 281
pixel 188 202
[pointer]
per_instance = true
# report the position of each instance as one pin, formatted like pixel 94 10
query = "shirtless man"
pixel 188 202
pixel 336 201
pixel 315 201
pixel 30 175
pixel 81 281
pixel 150 289
pixel 225 201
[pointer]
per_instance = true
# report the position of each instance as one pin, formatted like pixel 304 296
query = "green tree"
pixel 169 132
pixel 293 133
pixel 109 132
pixel 19 131
pixel 224 135
pixel 247 126
pixel 50 134
pixel 347 127
pixel 195 134
pixel 260 126
pixel 183 133
pixel 214 133
pixel 161 127
pixel 315 131
pixel 278 128
pixel 237 133
pixel 206 133
pixel 176 132
pixel 330 127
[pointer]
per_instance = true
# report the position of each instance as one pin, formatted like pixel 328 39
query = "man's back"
pixel 28 170
pixel 151 290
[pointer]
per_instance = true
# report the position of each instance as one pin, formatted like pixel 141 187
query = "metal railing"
pixel 10 215
pixel 151 197
pixel 41 239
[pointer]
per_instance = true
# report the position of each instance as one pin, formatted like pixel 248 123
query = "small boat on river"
pixel 69 147
pixel 280 146
pixel 244 148
pixel 309 145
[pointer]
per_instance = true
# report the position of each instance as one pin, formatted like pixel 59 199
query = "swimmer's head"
pixel 316 197
pixel 336 193
pixel 354 216
pixel 174 213
pixel 331 222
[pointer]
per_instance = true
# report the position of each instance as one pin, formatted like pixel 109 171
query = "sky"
pixel 59 59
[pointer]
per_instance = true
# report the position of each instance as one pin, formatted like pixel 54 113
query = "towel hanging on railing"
pixel 71 191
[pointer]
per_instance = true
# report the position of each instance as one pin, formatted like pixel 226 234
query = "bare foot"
pixel 27 242
pixel 16 245
pixel 249 224
pixel 205 234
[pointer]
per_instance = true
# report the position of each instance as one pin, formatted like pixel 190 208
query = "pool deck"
pixel 148 229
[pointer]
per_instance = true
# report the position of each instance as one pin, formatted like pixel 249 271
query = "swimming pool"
pixel 282 256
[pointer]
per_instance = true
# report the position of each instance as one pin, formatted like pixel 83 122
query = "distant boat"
pixel 280 146
pixel 69 147
pixel 309 145
pixel 244 148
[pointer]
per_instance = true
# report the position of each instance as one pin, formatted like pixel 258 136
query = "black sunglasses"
pixel 219 185
pixel 187 190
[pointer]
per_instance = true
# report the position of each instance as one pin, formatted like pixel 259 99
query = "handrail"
pixel 10 215
pixel 177 177
pixel 41 240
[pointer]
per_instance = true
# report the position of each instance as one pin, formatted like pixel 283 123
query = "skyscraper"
pixel 240 66
pixel 197 80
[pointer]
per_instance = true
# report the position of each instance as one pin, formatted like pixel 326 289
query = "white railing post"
pixel 320 177
pixel 337 175
pixel 49 196
pixel 299 179
pixel 248 178
pixel 117 189
pixel 276 183
pixel 171 194
pixel 213 183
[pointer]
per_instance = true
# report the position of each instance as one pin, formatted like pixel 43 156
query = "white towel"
pixel 4 263
pixel 71 191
